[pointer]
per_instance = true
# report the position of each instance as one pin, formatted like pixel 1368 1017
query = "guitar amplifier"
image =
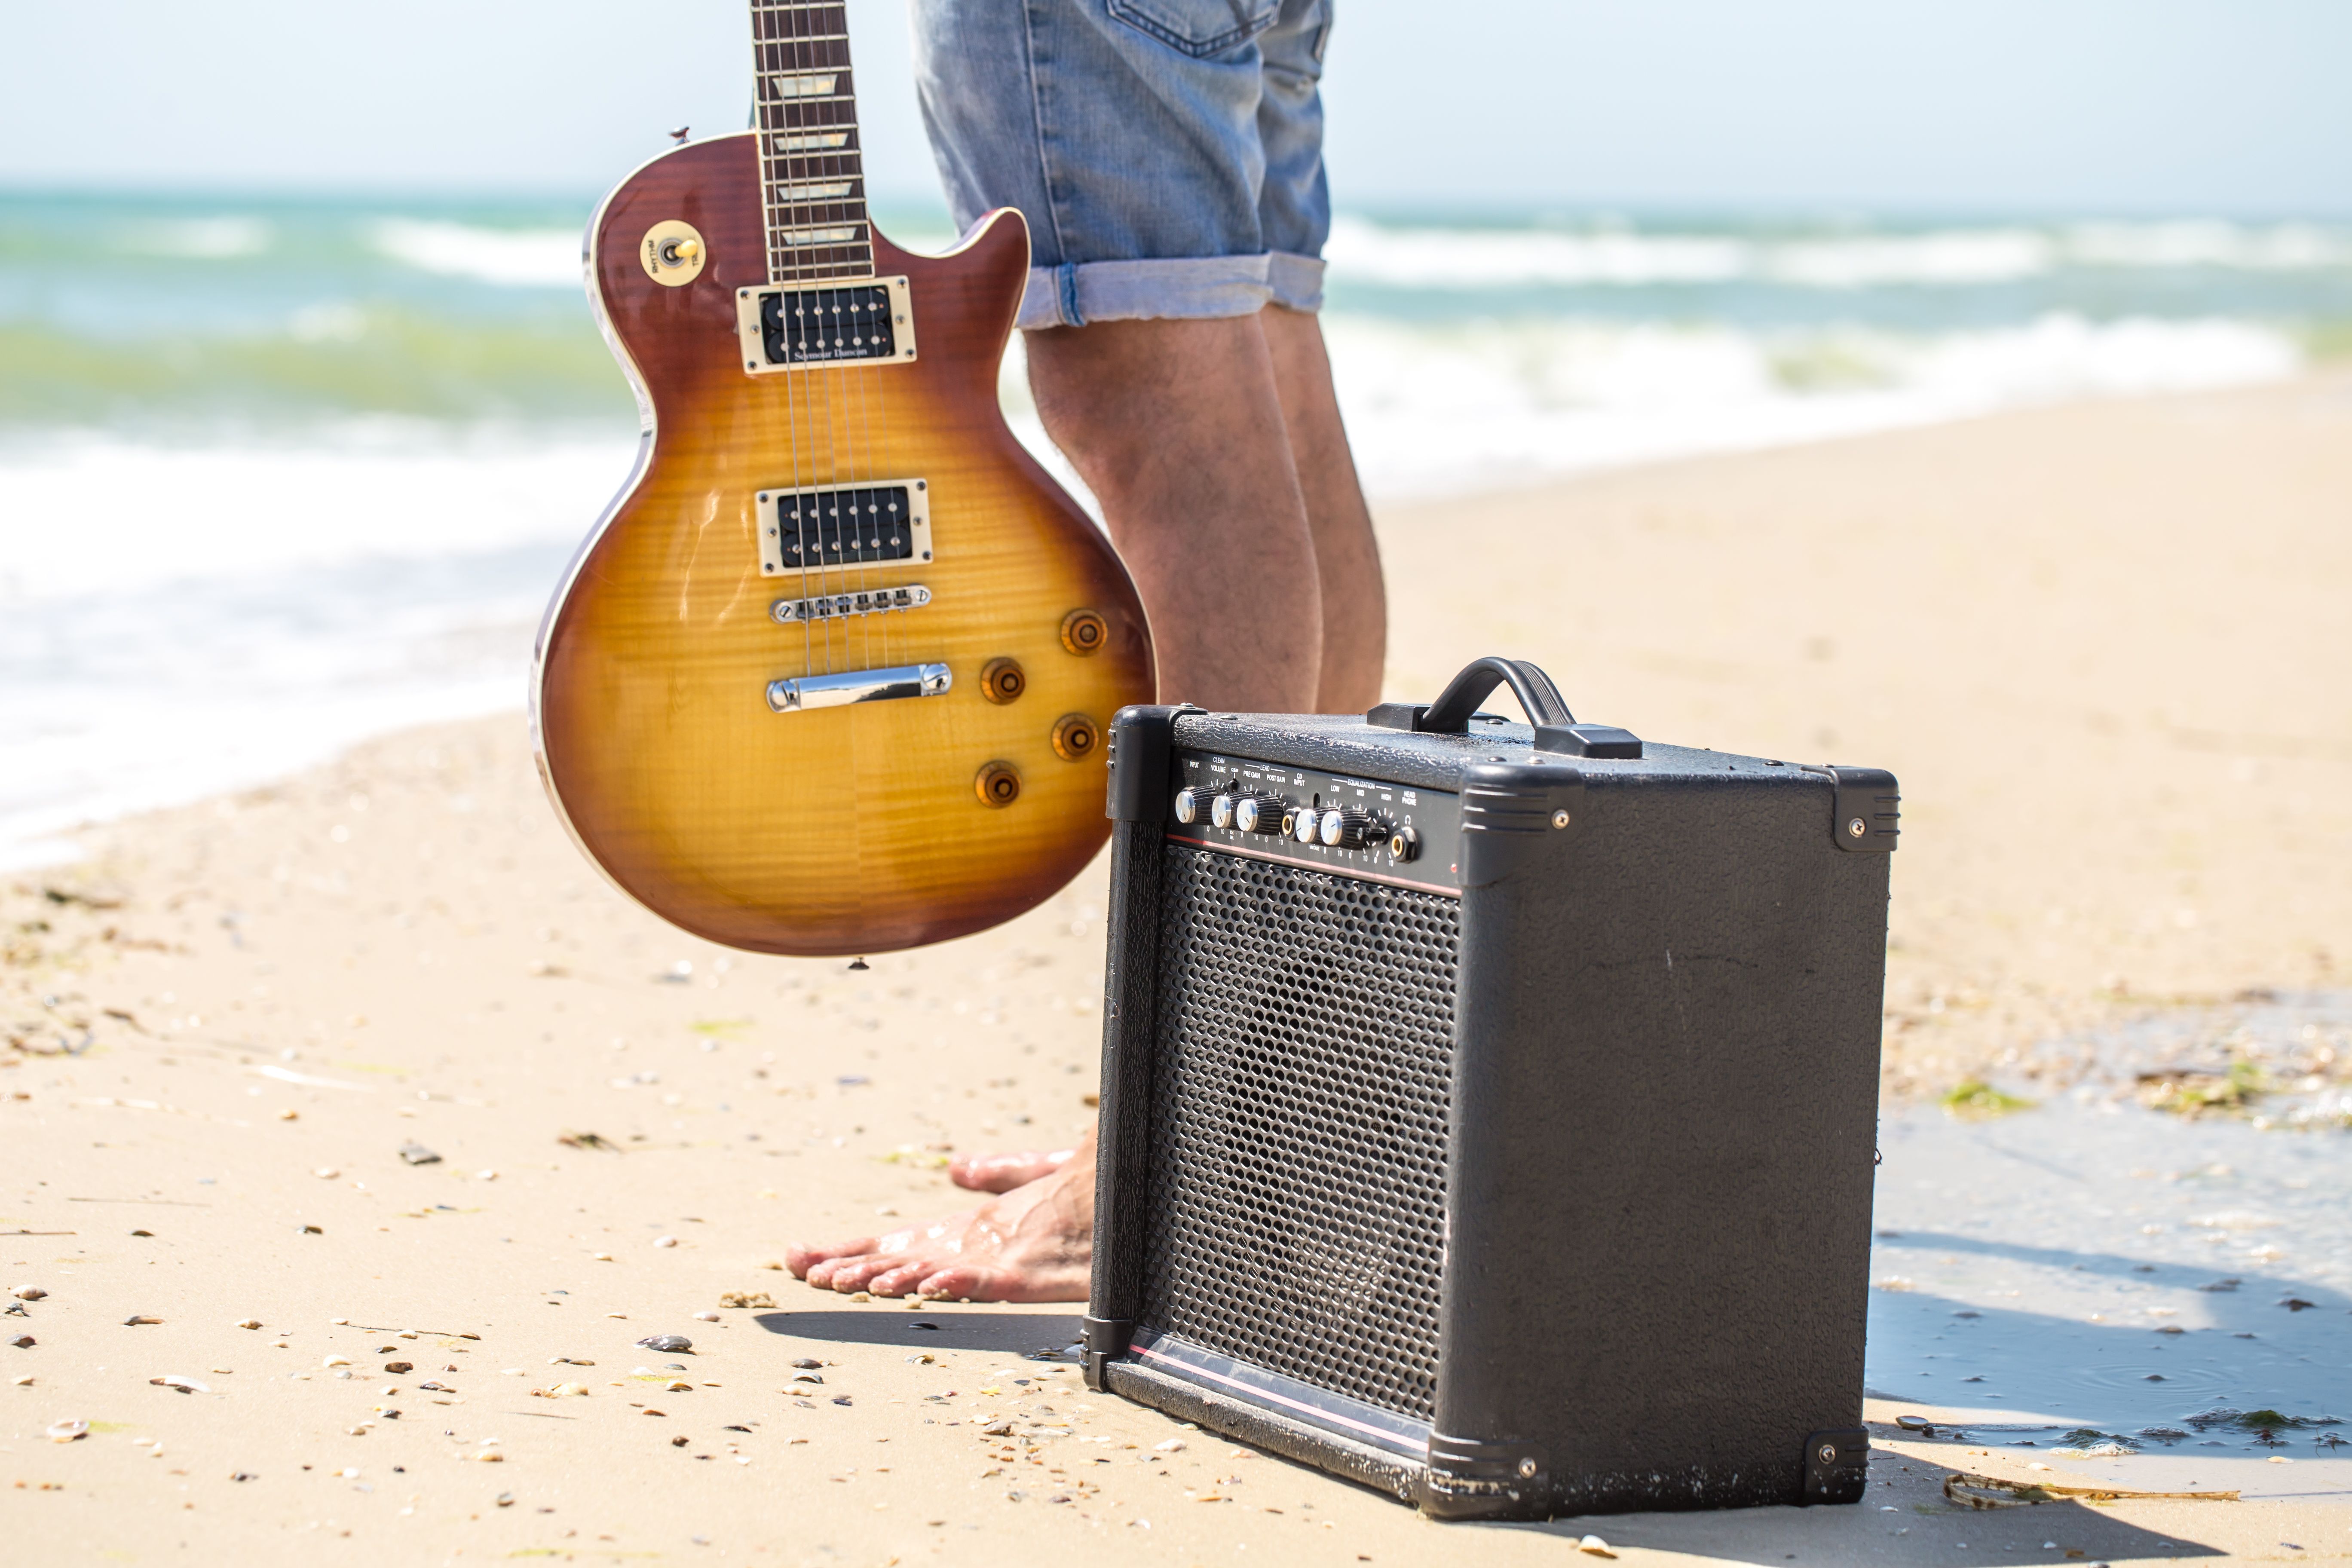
pixel 1488 1110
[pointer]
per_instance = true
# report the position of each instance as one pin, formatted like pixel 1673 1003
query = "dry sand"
pixel 2104 647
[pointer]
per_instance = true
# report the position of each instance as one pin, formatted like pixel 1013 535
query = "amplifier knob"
pixel 1260 813
pixel 1221 812
pixel 1188 806
pixel 1304 824
pixel 1347 827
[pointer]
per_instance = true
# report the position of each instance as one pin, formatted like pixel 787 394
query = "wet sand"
pixel 2103 647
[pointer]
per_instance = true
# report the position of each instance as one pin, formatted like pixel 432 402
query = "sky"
pixel 2104 105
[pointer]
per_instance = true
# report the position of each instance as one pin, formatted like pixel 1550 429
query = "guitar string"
pixel 856 377
pixel 825 383
pixel 850 378
pixel 803 380
pixel 763 54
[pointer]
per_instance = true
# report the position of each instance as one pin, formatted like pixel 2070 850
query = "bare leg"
pixel 1216 450
pixel 1177 427
pixel 1347 557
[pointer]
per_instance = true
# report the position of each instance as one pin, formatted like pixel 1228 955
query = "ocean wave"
pixel 513 257
pixel 201 239
pixel 1503 402
pixel 317 363
pixel 1361 250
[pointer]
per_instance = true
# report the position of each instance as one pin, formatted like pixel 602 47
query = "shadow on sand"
pixel 1013 1333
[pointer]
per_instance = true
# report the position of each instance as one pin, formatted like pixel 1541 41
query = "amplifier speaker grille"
pixel 1296 1207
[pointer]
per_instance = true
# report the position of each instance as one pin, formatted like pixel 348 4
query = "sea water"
pixel 277 474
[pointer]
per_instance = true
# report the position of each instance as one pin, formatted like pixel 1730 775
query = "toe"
pixel 800 1260
pixel 905 1280
pixel 859 1273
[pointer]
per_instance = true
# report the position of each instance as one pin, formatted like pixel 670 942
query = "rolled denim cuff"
pixel 1178 289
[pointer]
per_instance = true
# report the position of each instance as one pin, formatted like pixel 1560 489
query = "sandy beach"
pixel 421 1126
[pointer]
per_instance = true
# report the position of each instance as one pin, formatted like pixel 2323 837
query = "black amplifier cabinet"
pixel 1488 1109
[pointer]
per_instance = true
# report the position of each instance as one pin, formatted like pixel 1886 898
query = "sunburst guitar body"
pixel 833 673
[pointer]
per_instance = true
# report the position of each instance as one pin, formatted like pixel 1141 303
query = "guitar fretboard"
pixel 811 174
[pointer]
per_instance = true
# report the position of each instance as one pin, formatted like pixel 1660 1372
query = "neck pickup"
pixel 868 321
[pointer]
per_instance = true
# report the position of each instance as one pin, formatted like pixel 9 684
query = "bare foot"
pixel 1002 1173
pixel 1034 1243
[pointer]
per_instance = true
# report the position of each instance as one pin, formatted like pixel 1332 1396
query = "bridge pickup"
pixel 804 692
pixel 834 607
pixel 795 326
pixel 821 527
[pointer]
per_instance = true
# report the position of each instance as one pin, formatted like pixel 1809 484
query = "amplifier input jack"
pixel 998 784
pixel 1404 846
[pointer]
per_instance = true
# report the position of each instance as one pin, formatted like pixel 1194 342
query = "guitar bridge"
pixel 821 527
pixel 834 607
pixel 795 326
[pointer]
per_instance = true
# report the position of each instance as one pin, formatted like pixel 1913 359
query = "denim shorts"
pixel 1166 153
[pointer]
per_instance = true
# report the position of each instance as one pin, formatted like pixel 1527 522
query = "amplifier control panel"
pixel 1350 826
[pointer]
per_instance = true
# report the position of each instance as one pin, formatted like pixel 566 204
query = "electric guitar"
pixel 833 675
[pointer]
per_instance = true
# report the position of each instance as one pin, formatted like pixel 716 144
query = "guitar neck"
pixel 812 172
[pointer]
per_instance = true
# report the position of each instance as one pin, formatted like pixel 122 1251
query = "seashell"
pixel 334 1361
pixel 28 1293
pixel 397 1367
pixel 1594 1545
pixel 68 1431
pixel 705 1317
pixel 675 1344
pixel 185 1384
pixel 664 1241
pixel 416 1153
pixel 249 1323
pixel 809 1363
pixel 23 1341
pixel 1169 1445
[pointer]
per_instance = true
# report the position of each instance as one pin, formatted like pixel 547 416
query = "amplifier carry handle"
pixel 1556 728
